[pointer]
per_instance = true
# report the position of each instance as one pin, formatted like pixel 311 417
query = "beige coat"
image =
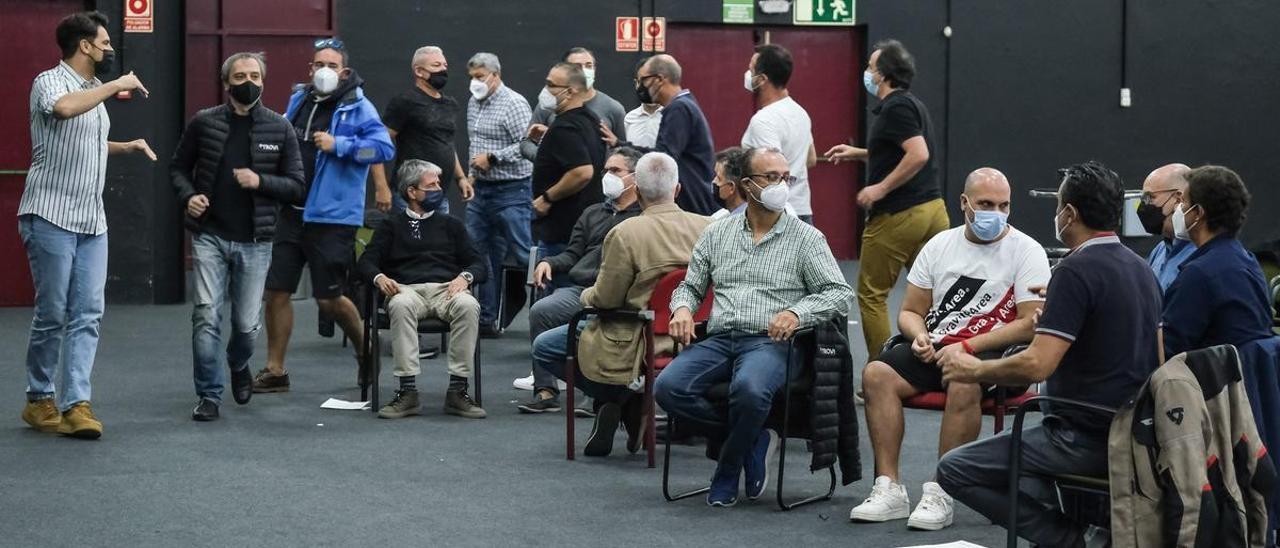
pixel 635 255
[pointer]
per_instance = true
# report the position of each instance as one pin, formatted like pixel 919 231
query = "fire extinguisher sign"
pixel 137 16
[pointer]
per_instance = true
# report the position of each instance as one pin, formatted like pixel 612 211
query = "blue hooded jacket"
pixel 337 191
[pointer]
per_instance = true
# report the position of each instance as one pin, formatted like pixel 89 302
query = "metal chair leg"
pixel 475 372
pixel 666 468
pixel 782 453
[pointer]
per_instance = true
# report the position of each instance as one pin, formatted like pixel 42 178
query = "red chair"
pixel 997 404
pixel 656 320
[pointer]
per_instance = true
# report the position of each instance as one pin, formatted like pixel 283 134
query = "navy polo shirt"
pixel 1219 297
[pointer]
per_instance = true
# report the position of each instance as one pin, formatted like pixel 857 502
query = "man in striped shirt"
pixel 63 225
pixel 499 216
pixel 773 274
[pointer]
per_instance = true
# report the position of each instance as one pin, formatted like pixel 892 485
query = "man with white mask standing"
pixel 606 108
pixel 499 214
pixel 781 122
pixel 339 135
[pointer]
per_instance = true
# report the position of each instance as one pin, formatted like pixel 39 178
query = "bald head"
pixel 986 189
pixel 665 66
pixel 1166 178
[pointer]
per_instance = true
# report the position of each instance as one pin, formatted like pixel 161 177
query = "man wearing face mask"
pixel 63 225
pixel 728 161
pixel 423 262
pixel 606 108
pixel 903 197
pixel 422 120
pixel 772 274
pixel 1221 294
pixel 636 254
pixel 570 161
pixel 498 217
pixel 236 164
pixel 580 263
pixel 683 133
pixel 781 122
pixel 972 289
pixel 1160 194
pixel 339 136
pixel 1096 342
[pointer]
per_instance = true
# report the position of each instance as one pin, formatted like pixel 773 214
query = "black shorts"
pixel 328 249
pixel 926 377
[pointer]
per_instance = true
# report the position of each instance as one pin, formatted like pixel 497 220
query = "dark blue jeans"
pixel 755 368
pixel 498 220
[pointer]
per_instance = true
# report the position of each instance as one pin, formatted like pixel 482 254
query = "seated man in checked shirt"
pixel 773 274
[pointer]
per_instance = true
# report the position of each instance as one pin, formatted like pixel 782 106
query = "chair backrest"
pixel 660 301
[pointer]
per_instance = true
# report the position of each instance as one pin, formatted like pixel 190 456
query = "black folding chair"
pixel 781 418
pixel 374 312
pixel 1063 482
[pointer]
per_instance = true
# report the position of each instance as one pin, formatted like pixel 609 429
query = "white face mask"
pixel 1057 231
pixel 325 80
pixel 546 100
pixel 590 73
pixel 479 89
pixel 613 186
pixel 747 78
pixel 774 198
pixel 1180 229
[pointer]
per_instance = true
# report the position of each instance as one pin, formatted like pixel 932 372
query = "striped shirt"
pixel 68 157
pixel 496 125
pixel 791 268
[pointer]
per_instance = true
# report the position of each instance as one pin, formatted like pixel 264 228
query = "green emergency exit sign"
pixel 823 12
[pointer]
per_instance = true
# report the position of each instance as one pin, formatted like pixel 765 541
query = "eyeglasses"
pixel 641 80
pixel 775 178
pixel 327 43
pixel 1150 197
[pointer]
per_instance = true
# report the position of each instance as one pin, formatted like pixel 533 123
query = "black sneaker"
pixel 635 423
pixel 205 411
pixel 540 405
pixel 242 385
pixel 490 331
pixel 600 444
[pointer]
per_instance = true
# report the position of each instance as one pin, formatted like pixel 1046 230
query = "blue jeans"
pixel 70 275
pixel 551 349
pixel 755 368
pixel 977 474
pixel 498 222
pixel 225 271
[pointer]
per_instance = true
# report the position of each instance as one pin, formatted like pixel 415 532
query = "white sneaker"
pixel 526 383
pixel 888 501
pixel 934 511
pixel 523 383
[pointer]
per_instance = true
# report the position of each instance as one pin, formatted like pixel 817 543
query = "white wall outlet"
pixel 1126 98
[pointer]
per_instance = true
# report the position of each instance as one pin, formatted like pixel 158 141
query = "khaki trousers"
pixel 431 301
pixel 890 243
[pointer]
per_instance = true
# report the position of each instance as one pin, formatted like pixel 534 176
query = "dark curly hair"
pixel 732 159
pixel 76 27
pixel 1096 192
pixel 1221 194
pixel 895 64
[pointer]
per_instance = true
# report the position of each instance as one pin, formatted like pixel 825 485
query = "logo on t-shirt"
pixel 968 310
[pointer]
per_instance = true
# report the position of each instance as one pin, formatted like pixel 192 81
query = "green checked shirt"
pixel 790 269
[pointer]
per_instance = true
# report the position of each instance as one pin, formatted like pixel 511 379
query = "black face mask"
pixel 438 80
pixel 108 60
pixel 1152 217
pixel 642 93
pixel 246 93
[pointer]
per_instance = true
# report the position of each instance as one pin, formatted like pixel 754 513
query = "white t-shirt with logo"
pixel 785 125
pixel 977 287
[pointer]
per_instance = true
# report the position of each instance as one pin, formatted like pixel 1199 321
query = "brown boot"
pixel 42 415
pixel 458 402
pixel 79 422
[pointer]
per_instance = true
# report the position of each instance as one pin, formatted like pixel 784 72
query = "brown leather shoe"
pixel 267 382
pixel 79 422
pixel 42 415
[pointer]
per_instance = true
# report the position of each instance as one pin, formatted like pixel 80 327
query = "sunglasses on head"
pixel 328 43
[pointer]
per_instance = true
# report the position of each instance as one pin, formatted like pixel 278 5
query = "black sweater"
pixel 436 253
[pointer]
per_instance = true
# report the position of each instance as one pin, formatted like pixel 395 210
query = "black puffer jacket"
pixel 273 150
pixel 834 416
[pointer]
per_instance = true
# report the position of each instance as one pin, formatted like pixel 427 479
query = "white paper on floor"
pixel 956 544
pixel 335 403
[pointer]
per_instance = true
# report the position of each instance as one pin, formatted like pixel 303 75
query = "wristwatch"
pixel 492 159
pixel 546 198
pixel 468 277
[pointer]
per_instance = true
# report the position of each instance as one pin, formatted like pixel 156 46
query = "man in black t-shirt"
pixel 1095 342
pixel 422 121
pixel 235 165
pixel 570 161
pixel 902 197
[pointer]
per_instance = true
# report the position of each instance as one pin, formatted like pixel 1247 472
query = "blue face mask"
pixel 988 225
pixel 869 83
pixel 432 200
